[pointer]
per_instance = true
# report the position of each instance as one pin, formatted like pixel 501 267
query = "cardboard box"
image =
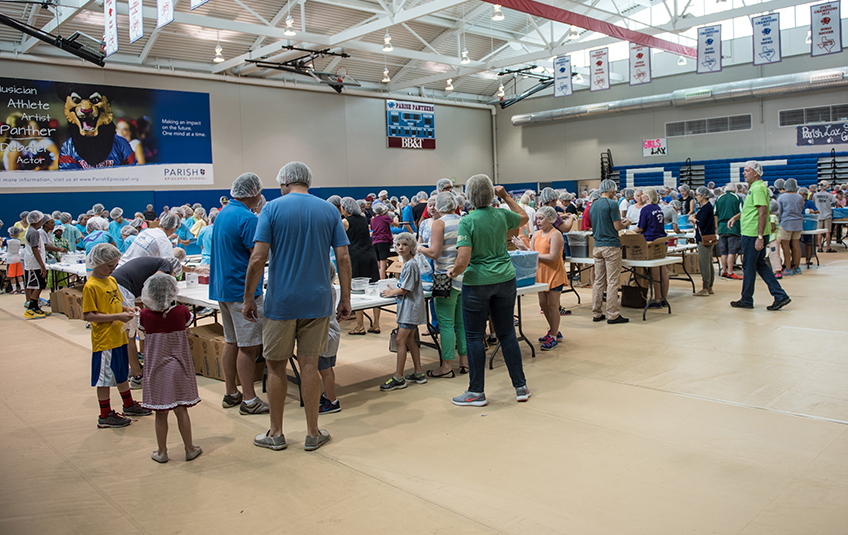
pixel 72 302
pixel 153 224
pixel 57 302
pixel 206 343
pixel 636 248
pixel 690 260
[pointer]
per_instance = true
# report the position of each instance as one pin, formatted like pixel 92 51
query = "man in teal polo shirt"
pixel 754 216
pixel 729 239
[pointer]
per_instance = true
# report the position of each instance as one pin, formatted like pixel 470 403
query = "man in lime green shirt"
pixel 753 225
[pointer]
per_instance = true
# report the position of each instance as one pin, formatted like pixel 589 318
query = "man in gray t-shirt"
pixel 824 204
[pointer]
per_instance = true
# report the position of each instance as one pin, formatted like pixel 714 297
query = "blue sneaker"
pixel 549 344
pixel 558 336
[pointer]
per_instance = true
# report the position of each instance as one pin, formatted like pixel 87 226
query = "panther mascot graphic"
pixel 93 140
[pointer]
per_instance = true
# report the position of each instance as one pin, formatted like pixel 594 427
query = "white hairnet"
pixel 755 166
pixel 407 238
pixel 261 204
pixel 607 185
pixel 443 183
pixel 97 208
pixel 136 223
pixel 790 185
pixel 65 217
pixel 176 266
pixel 128 230
pixel 213 215
pixel 780 183
pixel 179 254
pixel 295 173
pixel 547 195
pixel 102 253
pixel 547 212
pixel 479 190
pixel 46 217
pixel 201 212
pixel 246 185
pixel 350 205
pixel 170 221
pixel 596 194
pixel 159 292
pixel 379 208
pixel 15 231
pixel 197 205
pixel 24 214
pixel 445 202
pixel 116 213
pixel 34 217
pixel 335 200
pixel 90 213
pixel 704 191
pixel 773 207
pixel 383 193
pixel 56 214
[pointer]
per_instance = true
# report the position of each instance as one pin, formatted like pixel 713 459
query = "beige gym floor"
pixel 711 420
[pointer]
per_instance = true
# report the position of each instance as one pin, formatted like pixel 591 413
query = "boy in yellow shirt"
pixel 102 305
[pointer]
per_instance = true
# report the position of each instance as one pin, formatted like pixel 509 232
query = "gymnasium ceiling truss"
pixel 427 36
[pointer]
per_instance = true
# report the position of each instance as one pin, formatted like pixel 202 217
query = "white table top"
pixel 682 248
pixel 626 262
pixel 74 269
pixel 814 232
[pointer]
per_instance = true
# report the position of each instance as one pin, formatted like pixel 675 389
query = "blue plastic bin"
pixel 525 263
pixel 811 221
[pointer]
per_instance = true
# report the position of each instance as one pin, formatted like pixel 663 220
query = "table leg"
pixel 650 299
pixel 688 276
pixel 431 332
pixel 520 338
pixel 571 282
pixel 295 380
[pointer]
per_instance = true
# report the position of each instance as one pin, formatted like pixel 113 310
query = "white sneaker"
pixel 135 382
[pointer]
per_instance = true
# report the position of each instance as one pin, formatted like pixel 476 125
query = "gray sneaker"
pixel 419 378
pixel 136 410
pixel 472 399
pixel 522 393
pixel 313 443
pixel 113 419
pixel 272 443
pixel 259 407
pixel 231 401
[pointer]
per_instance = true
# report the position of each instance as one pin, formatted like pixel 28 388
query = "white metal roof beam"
pixel 62 14
pixel 404 16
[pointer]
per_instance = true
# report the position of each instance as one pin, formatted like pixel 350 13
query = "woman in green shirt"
pixel 488 286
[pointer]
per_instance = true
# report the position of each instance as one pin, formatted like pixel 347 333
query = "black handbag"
pixel 633 296
pixel 442 285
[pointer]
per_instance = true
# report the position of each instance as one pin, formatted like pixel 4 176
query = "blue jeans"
pixel 478 303
pixel 753 262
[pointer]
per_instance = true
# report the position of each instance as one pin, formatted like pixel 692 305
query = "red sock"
pixel 127 397
pixel 105 407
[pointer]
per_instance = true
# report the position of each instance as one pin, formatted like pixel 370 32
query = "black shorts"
pixel 33 280
pixel 383 250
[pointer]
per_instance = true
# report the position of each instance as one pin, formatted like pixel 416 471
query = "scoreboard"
pixel 410 125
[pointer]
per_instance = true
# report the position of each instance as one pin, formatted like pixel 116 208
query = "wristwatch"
pixel 760 237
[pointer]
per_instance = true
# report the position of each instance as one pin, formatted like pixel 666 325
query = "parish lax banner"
pixel 110 29
pixel 85 135
pixel 709 49
pixel 599 70
pixel 766 39
pixel 640 64
pixel 827 29
pixel 562 76
pixel 136 20
pixel 164 12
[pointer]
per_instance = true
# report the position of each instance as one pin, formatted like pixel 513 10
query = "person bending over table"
pixel 548 242
pixel 363 258
pixel 488 287
pixel 704 222
pixel 652 226
pixel 606 222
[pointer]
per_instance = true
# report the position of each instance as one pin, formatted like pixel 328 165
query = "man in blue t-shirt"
pixel 232 244
pixel 407 216
pixel 298 230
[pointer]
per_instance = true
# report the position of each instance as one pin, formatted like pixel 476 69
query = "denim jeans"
pixel 753 262
pixel 478 303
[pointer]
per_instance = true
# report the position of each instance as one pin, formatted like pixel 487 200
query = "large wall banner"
pixel 640 64
pixel 827 29
pixel 709 49
pixel 766 39
pixel 562 76
pixel 56 134
pixel 822 134
pixel 599 70
pixel 410 125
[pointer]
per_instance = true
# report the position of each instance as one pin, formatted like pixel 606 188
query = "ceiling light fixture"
pixel 681 61
pixel 387 42
pixel 465 60
pixel 289 31
pixel 449 86
pixel 573 33
pixel 219 57
pixel 809 39
pixel 501 91
pixel 386 78
pixel 498 14
pixel 578 79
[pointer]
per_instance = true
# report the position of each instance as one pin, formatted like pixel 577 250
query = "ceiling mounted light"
pixel 387 42
pixel 809 39
pixel 289 31
pixel 573 33
pixel 465 60
pixel 219 56
pixel 578 79
pixel 449 86
pixel 681 61
pixel 386 78
pixel 501 92
pixel 498 14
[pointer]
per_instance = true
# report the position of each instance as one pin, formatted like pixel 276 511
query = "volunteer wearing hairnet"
pixel 381 235
pixel 97 231
pixel 154 241
pixel 71 233
pixel 488 285
pixel 128 234
pixel 296 230
pixel 606 223
pixel 363 258
pixel 35 270
pixel 753 221
pixel 115 226
pixel 232 244
pixel 443 184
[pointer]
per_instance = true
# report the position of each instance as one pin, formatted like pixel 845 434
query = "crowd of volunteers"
pixel 454 244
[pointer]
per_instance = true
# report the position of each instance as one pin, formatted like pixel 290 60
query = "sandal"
pixel 449 375
pixel 463 370
pixel 358 333
pixel 831 250
pixel 373 330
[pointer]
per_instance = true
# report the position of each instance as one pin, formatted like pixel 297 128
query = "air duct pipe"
pixel 757 88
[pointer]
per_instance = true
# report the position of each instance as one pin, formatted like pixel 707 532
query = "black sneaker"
pixel 393 384
pixel 136 410
pixel 619 319
pixel 600 318
pixel 328 407
pixel 113 419
pixel 778 304
pixel 740 304
pixel 418 378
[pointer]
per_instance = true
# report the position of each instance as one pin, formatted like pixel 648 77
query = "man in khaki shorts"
pixel 297 230
pixel 232 244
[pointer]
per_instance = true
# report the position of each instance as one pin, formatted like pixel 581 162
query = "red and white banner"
pixel 599 70
pixel 136 20
pixel 164 12
pixel 826 30
pixel 197 3
pixel 110 27
pixel 640 64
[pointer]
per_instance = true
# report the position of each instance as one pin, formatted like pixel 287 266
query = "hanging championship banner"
pixel 136 20
pixel 164 12
pixel 197 3
pixel 110 27
pixel 709 49
pixel 640 64
pixel 599 70
pixel 766 39
pixel 826 30
pixel 562 76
